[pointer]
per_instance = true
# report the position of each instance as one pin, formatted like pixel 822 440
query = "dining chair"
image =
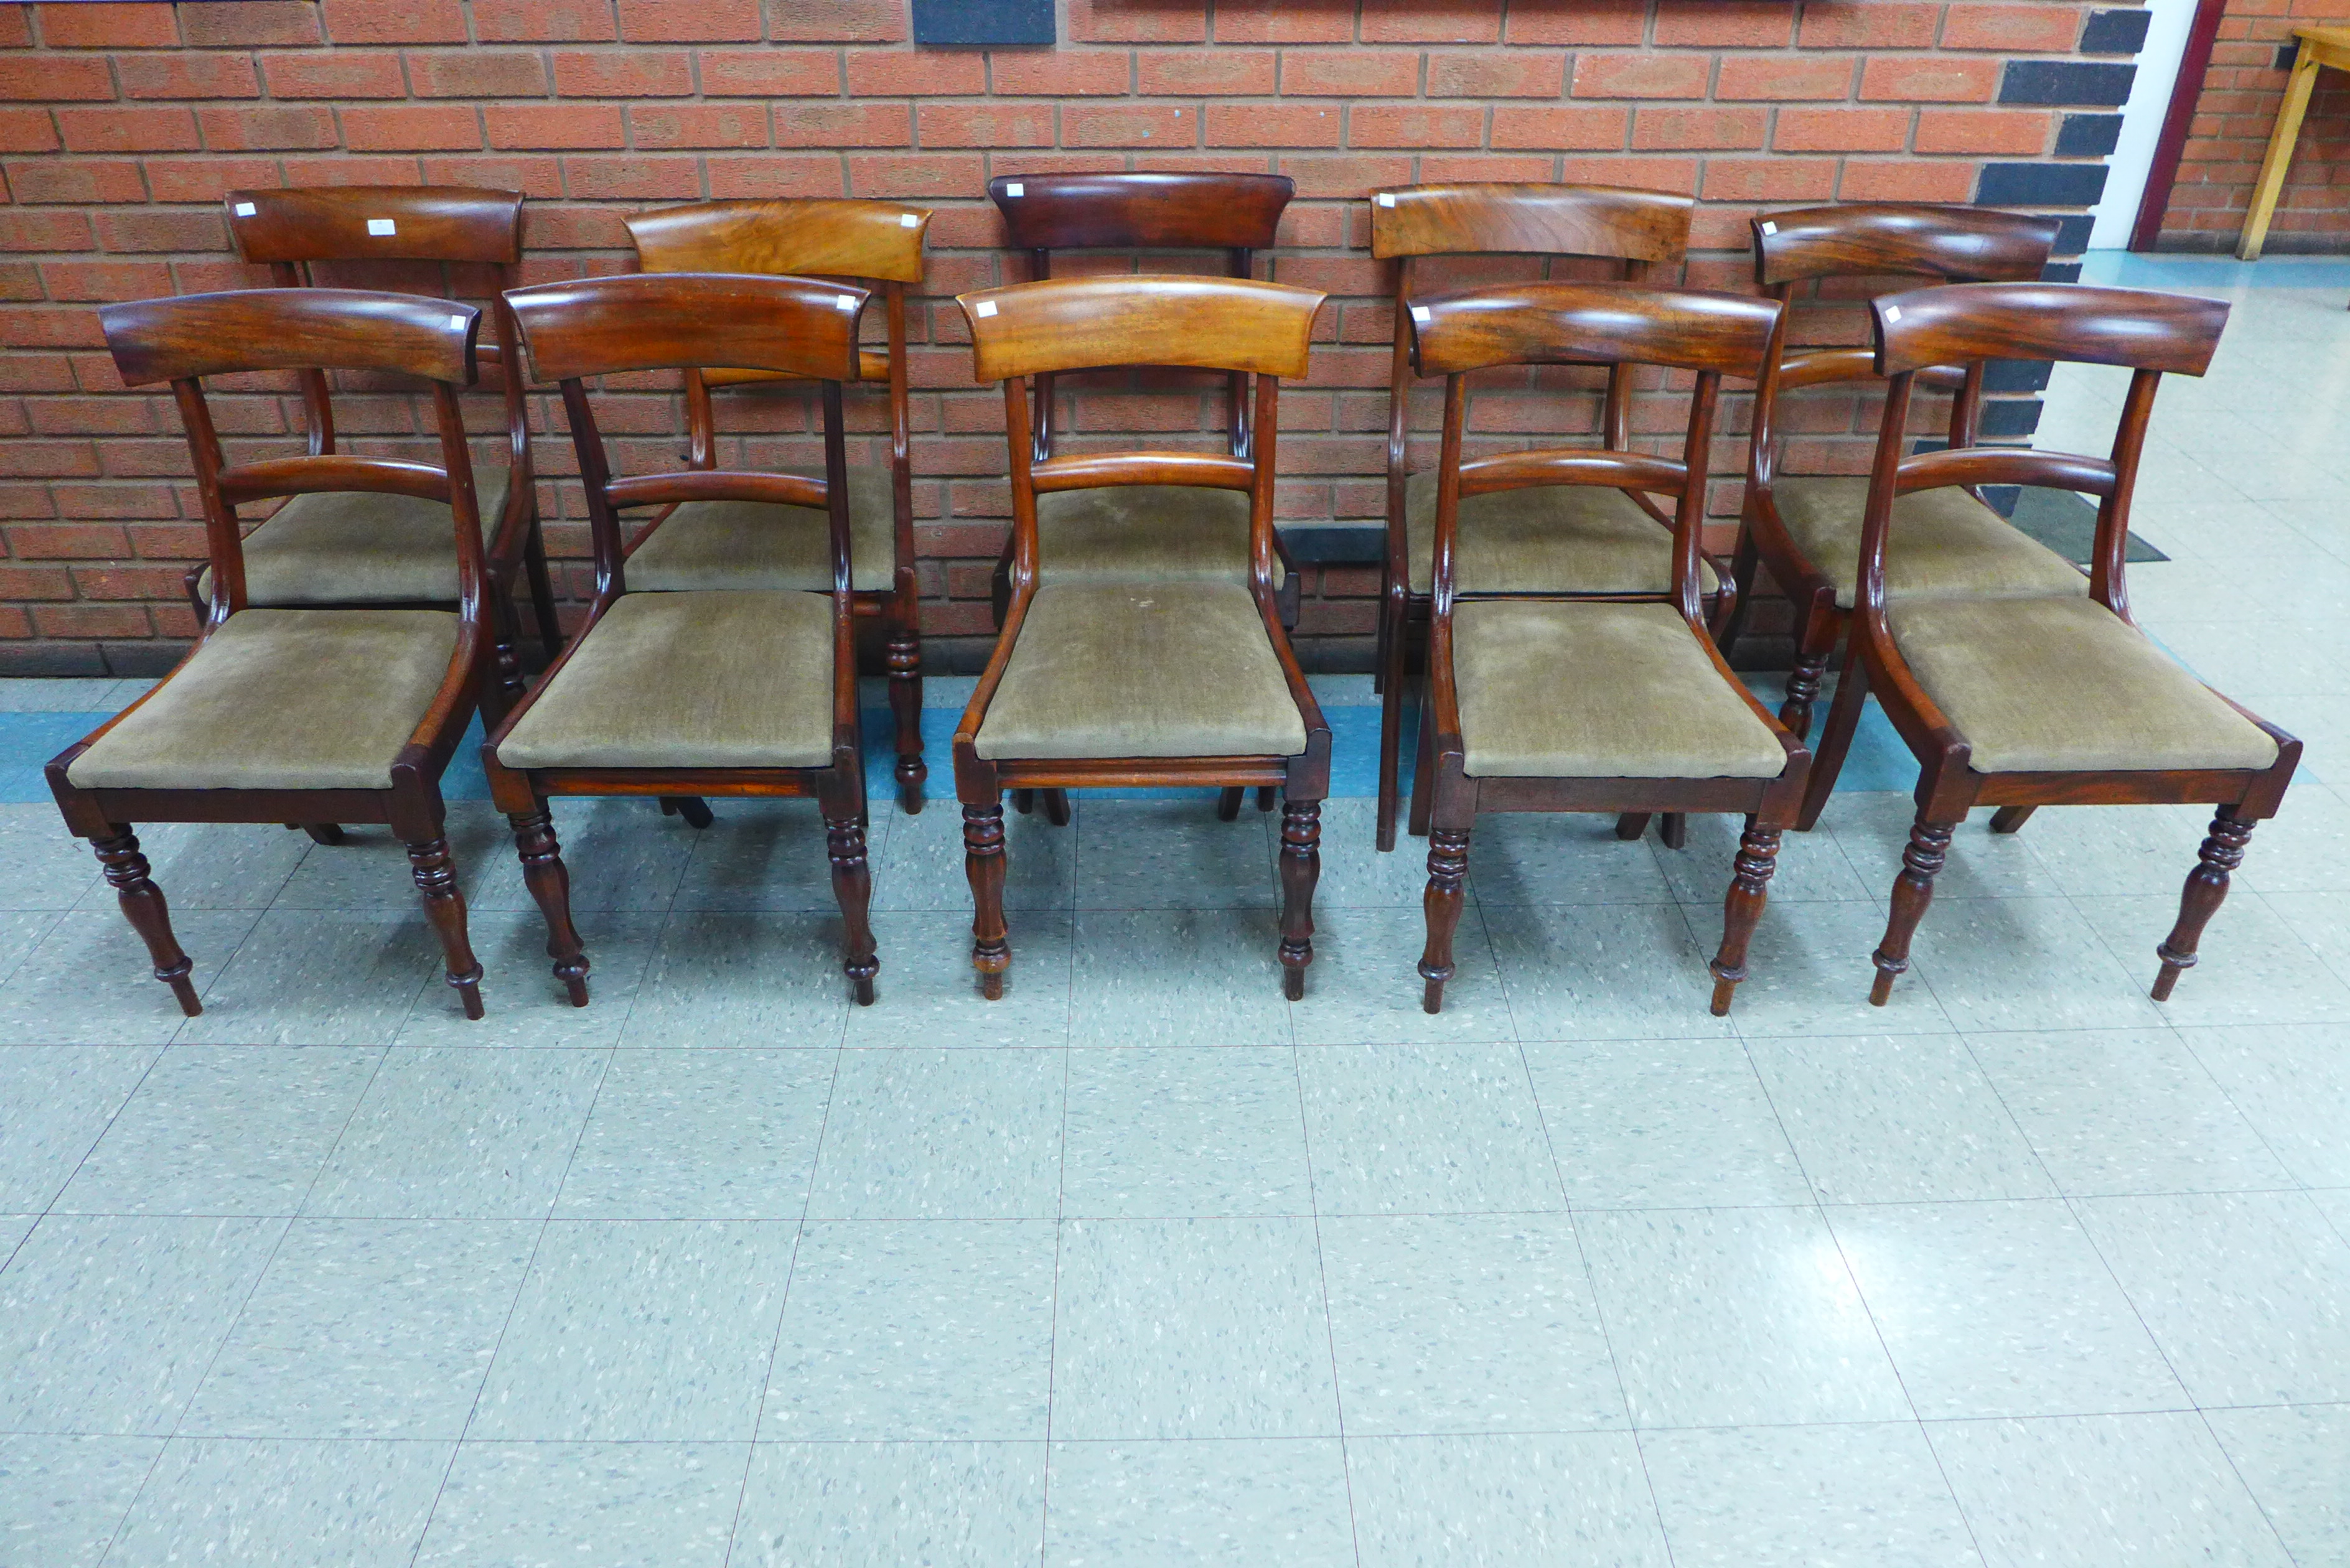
pixel 707 545
pixel 1546 538
pixel 1543 701
pixel 2057 699
pixel 296 713
pixel 1173 680
pixel 695 691
pixel 374 547
pixel 1806 528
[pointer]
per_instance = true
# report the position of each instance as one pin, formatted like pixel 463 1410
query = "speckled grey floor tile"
pixel 2103 851
pixel 1191 1328
pixel 942 1135
pixel 1415 1129
pixel 2293 1084
pixel 929 993
pixel 21 932
pixel 700 1135
pixel 90 981
pixel 1198 1505
pixel 223 1130
pixel 1491 1502
pixel 1873 828
pixel 1481 1322
pixel 46 867
pixel 1175 977
pixel 742 979
pixel 1659 1124
pixel 366 1328
pixel 524 1003
pixel 617 1505
pixel 451 1133
pixel 54 1101
pixel 370 869
pixel 1861 1495
pixel 2086 1492
pixel 924 1329
pixel 1168 1131
pixel 2293 1459
pixel 301 1504
pixel 1891 1118
pixel 1364 985
pixel 1537 858
pixel 1355 875
pixel 925 869
pixel 1736 1317
pixel 1617 971
pixel 211 865
pixel 1807 972
pixel 2024 963
pixel 2252 968
pixel 2248 1293
pixel 107 1323
pixel 62 1497
pixel 14 1229
pixel 619 854
pixel 638 1331
pixel 2001 1309
pixel 323 977
pixel 1174 854
pixel 1810 868
pixel 2126 1111
pixel 766 854
pixel 877 1505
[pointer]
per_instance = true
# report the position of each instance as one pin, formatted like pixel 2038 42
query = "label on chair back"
pixel 245 209
pixel 382 227
pixel 1387 198
pixel 984 307
pixel 909 220
pixel 1015 189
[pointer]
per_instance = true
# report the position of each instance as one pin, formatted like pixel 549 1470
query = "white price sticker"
pixel 457 321
pixel 1892 312
pixel 245 209
pixel 1420 312
pixel 984 307
pixel 1015 189
pixel 382 227
pixel 845 301
pixel 1387 198
pixel 1770 228
pixel 909 220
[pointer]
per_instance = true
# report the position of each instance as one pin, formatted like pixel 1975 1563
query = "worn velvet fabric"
pixel 1941 541
pixel 358 547
pixel 2064 685
pixel 728 679
pixel 283 699
pixel 1560 688
pixel 708 545
pixel 1545 538
pixel 1166 669
pixel 1144 533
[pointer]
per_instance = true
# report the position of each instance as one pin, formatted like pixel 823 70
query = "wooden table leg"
pixel 2279 160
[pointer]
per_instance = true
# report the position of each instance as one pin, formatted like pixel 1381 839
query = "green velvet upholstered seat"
pixel 726 679
pixel 1162 670
pixel 1144 533
pixel 357 548
pixel 2064 685
pixel 1942 542
pixel 708 545
pixel 281 699
pixel 1560 688
pixel 1548 538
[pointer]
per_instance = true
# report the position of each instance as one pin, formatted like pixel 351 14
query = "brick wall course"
pixel 124 123
pixel 2229 135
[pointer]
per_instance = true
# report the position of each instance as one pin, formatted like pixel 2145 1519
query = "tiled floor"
pixel 1144 1265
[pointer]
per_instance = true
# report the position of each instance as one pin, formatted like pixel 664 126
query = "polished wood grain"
pixel 663 321
pixel 1097 323
pixel 1958 244
pixel 193 336
pixel 2172 333
pixel 824 236
pixel 1118 211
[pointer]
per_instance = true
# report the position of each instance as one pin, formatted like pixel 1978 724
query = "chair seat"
pixel 711 545
pixel 281 699
pixel 1547 538
pixel 1567 689
pixel 1166 669
pixel 722 679
pixel 357 548
pixel 1145 533
pixel 1942 542
pixel 2064 685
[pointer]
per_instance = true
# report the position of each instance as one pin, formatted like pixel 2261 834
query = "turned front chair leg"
pixel 905 656
pixel 1749 885
pixel 2007 818
pixel 1447 872
pixel 550 888
pixel 1814 644
pixel 127 873
pixel 436 878
pixel 852 885
pixel 692 807
pixel 1912 891
pixel 982 862
pixel 1301 867
pixel 2207 885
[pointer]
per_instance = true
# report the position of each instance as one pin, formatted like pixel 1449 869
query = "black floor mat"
pixel 2068 525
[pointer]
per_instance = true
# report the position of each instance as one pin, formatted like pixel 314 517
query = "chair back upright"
pixel 292 232
pixel 1919 240
pixel 1709 335
pixel 184 339
pixel 1969 323
pixel 1031 331
pixel 1235 214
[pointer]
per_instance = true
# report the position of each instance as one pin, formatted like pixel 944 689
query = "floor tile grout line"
pixel 1330 1317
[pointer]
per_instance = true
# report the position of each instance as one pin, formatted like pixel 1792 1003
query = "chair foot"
pixel 692 807
pixel 575 986
pixel 1266 796
pixel 1723 990
pixel 983 862
pixel 543 872
pixel 991 985
pixel 327 833
pixel 444 906
pixel 1228 804
pixel 1674 829
pixel 2007 818
pixel 1631 824
pixel 1741 907
pixel 852 888
pixel 127 873
pixel 1023 801
pixel 1056 806
pixel 1301 868
pixel 1913 890
pixel 2207 886
pixel 1448 873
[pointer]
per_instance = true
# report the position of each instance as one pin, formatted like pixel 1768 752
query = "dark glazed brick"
pixel 2040 185
pixel 2016 375
pixel 2066 272
pixel 2066 82
pixel 970 22
pixel 2072 234
pixel 2116 32
pixel 52 658
pixel 2009 418
pixel 2088 135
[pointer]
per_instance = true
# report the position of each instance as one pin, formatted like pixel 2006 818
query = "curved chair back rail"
pixel 197 335
pixel 1958 244
pixel 1565 323
pixel 823 235
pixel 1141 211
pixel 667 321
pixel 376 222
pixel 1099 323
pixel 1609 221
pixel 2078 323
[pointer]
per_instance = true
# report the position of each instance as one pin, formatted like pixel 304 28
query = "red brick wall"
pixel 2229 135
pixel 126 121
